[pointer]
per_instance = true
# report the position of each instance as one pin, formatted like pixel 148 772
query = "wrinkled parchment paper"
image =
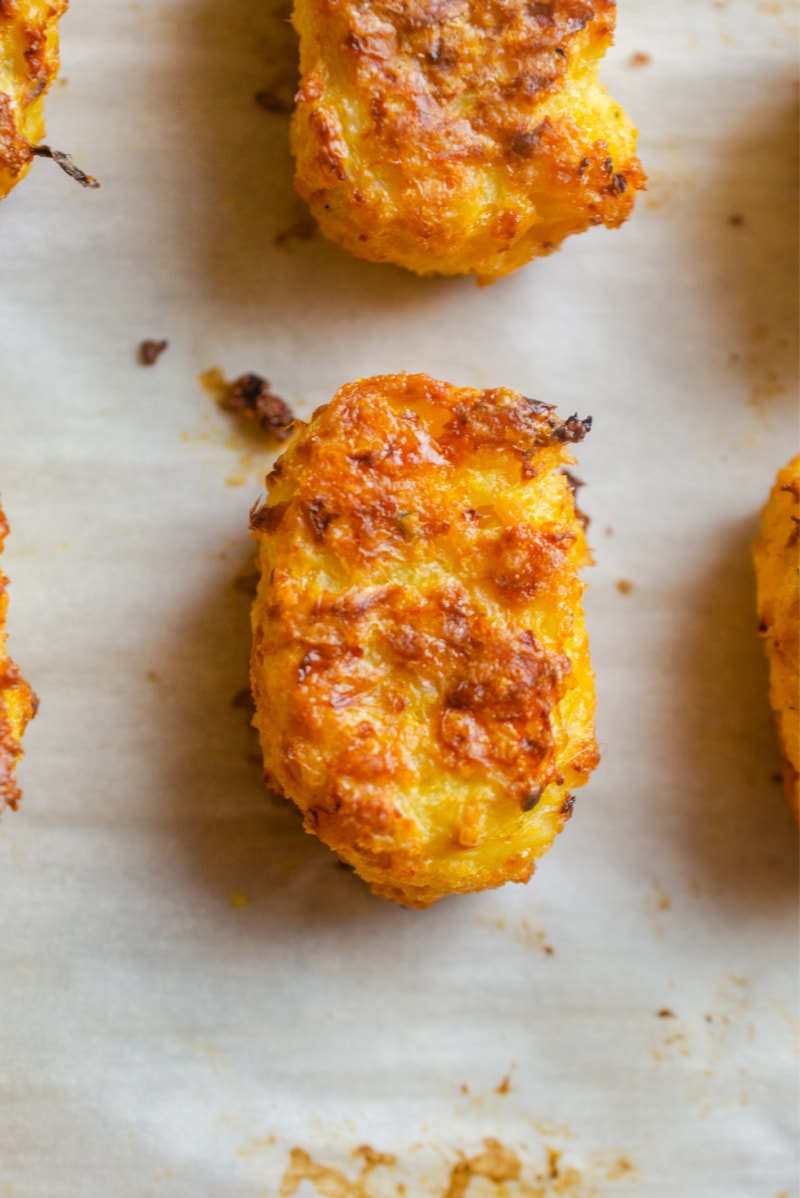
pixel 191 990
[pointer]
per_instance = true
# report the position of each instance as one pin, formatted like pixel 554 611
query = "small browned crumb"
pixel 505 1085
pixel 624 586
pixel 464 1088
pixel 665 1013
pixel 152 676
pixel 640 59
pixel 150 351
pixel 251 397
pixel 736 220
pixel 270 101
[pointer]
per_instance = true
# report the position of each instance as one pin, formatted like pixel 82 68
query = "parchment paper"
pixel 190 988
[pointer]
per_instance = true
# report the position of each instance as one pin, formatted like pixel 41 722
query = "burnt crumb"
pixel 640 59
pixel 150 351
pixel 567 805
pixel 271 101
pixel 665 1013
pixel 573 429
pixel 619 184
pixel 250 396
pixel 67 165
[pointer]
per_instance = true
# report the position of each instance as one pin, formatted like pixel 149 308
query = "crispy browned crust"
pixel 420 663
pixel 459 136
pixel 17 702
pixel 28 65
pixel 777 559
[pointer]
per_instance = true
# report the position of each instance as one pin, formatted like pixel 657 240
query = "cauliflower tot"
pixel 777 561
pixel 17 703
pixel 28 65
pixel 459 136
pixel 420 663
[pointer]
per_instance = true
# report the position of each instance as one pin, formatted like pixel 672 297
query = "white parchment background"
pixel 159 1038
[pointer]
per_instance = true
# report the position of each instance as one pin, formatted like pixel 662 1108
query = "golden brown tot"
pixel 777 559
pixel 28 65
pixel 459 136
pixel 17 703
pixel 420 664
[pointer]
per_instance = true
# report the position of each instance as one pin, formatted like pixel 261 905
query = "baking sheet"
pixel 190 988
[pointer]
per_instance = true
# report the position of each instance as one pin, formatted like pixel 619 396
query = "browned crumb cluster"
pixel 252 397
